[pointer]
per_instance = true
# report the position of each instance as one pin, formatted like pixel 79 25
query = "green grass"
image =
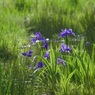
pixel 77 77
pixel 18 20
pixel 55 15
pixel 12 32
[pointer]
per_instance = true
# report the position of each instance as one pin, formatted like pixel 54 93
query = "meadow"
pixel 47 47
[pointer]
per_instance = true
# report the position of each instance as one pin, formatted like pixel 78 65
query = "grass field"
pixel 21 75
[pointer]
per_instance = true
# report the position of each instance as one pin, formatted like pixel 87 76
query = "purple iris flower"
pixel 47 55
pixel 34 40
pixel 60 60
pixel 40 65
pixel 66 32
pixel 71 32
pixel 28 54
pixel 39 37
pixel 45 45
pixel 42 39
pixel 65 48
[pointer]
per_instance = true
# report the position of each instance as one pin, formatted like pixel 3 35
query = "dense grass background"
pixel 21 18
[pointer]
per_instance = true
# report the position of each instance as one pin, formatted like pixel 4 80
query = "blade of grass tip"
pixel 92 65
pixel 53 62
pixel 86 63
pixel 80 70
pixel 70 76
pixel 66 81
pixel 93 54
pixel 52 57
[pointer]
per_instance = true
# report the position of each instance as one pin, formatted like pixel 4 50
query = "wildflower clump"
pixel 45 45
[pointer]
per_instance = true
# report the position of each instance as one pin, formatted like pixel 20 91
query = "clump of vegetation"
pixel 44 66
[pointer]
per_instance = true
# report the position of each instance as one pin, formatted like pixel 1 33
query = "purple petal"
pixel 34 40
pixel 40 64
pixel 24 53
pixel 60 60
pixel 45 45
pixel 28 54
pixel 38 35
pixel 47 55
pixel 65 33
pixel 65 48
pixel 71 32
pixel 42 39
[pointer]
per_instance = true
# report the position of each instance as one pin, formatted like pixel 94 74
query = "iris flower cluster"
pixel 66 32
pixel 38 37
pixel 45 45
